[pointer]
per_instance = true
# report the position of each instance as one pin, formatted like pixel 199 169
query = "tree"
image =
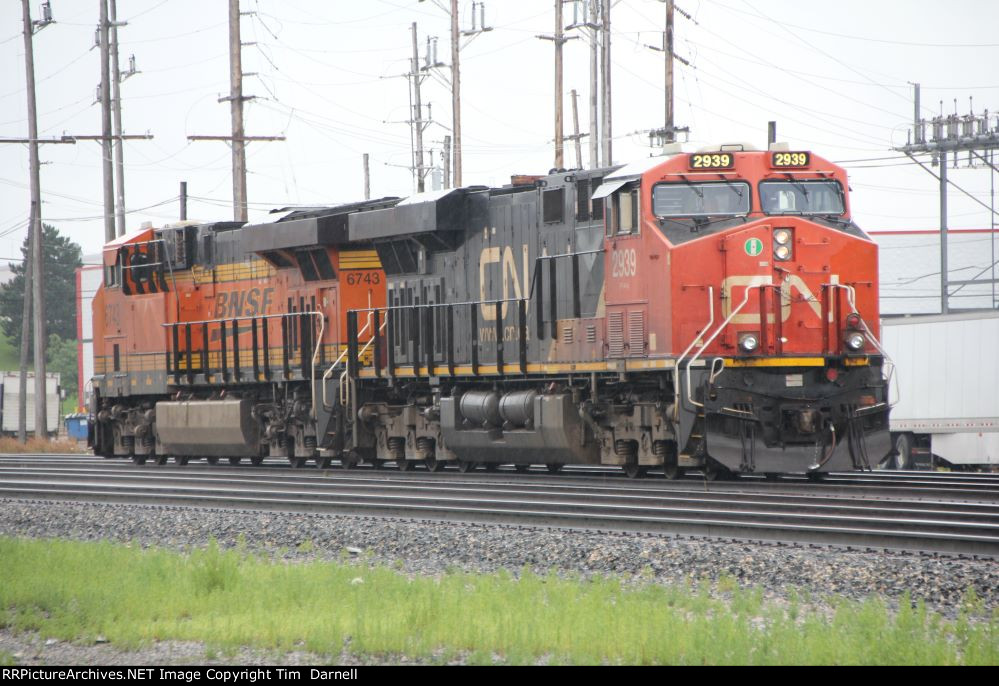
pixel 61 356
pixel 61 258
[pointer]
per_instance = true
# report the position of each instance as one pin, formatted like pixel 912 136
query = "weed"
pixel 229 599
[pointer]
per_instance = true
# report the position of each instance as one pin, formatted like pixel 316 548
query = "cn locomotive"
pixel 715 311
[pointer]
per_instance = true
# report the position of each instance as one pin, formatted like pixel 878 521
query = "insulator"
pixel 397 447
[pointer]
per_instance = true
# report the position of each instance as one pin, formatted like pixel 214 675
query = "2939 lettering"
pixel 721 160
pixel 790 159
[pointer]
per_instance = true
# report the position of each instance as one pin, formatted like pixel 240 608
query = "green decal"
pixel 753 247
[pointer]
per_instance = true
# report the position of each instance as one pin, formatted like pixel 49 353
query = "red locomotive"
pixel 715 310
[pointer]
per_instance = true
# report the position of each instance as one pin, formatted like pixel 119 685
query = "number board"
pixel 714 160
pixel 790 159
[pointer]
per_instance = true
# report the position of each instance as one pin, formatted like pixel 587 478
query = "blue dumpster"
pixel 76 426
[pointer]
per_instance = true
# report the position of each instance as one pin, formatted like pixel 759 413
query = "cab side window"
pixel 622 212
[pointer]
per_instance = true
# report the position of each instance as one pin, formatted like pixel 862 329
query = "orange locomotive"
pixel 715 310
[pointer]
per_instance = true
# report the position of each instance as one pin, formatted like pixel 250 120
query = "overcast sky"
pixel 834 75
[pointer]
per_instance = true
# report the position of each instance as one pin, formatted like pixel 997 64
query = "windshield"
pixel 700 199
pixel 801 197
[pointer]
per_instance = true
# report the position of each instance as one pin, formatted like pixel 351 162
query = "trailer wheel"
pixel 903 452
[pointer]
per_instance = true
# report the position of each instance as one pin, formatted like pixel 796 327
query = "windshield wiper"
pixel 799 185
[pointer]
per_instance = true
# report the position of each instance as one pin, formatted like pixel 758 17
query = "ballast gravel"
pixel 434 547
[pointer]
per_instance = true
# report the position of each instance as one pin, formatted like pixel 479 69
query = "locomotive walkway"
pixel 920 512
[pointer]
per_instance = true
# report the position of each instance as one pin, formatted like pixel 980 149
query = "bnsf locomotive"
pixel 715 311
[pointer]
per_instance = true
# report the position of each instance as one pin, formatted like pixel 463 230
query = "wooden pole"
pixel 239 204
pixel 455 94
pixel 37 247
pixel 106 134
pixel 119 163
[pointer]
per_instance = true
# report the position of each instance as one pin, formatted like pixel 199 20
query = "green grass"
pixel 227 599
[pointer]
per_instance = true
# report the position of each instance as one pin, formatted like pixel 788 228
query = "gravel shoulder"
pixel 431 548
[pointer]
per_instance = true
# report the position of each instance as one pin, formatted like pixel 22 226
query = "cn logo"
pixel 753 247
pixel 733 292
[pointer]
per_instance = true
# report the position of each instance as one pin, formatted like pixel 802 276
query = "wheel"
pixel 257 460
pixel 634 471
pixel 433 464
pixel 466 466
pixel 492 466
pixel 405 465
pixel 816 476
pixel 139 459
pixel 234 461
pixel 522 468
pixel 349 460
pixel 323 462
pixel 713 472
pixel 377 464
pixel 181 460
pixel 554 467
pixel 297 462
pixel 903 452
pixel 213 460
pixel 672 472
pixel 161 459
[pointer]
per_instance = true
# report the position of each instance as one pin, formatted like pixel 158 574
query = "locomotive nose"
pixel 807 421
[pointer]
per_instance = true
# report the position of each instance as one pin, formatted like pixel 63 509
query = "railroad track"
pixel 956 514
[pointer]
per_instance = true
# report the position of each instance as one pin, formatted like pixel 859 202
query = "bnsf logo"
pixel 245 303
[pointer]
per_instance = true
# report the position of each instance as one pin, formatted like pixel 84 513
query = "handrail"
pixel 345 395
pixel 329 372
pixel 319 316
pixel 851 297
pixel 711 321
pixel 720 328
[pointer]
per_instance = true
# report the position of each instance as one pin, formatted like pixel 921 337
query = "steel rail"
pixel 816 518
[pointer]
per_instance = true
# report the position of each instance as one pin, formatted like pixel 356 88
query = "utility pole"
pixel 183 200
pixel 944 295
pixel 559 39
pixel 668 49
pixel 239 206
pixel 605 63
pixel 447 161
pixel 238 139
pixel 455 79
pixel 367 178
pixel 119 163
pixel 418 125
pixel 106 133
pixel 588 19
pixel 456 93
pixel 32 286
pixel 35 242
pixel 22 398
pixel 576 135
pixel 667 134
pixel 972 134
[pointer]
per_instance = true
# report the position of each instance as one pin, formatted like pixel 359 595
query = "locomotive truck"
pixel 715 310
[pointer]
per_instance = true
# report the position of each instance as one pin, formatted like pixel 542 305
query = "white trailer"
pixel 947 369
pixel 9 412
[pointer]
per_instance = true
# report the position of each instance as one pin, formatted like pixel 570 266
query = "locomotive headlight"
pixel 782 253
pixel 855 341
pixel 749 342
pixel 782 236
